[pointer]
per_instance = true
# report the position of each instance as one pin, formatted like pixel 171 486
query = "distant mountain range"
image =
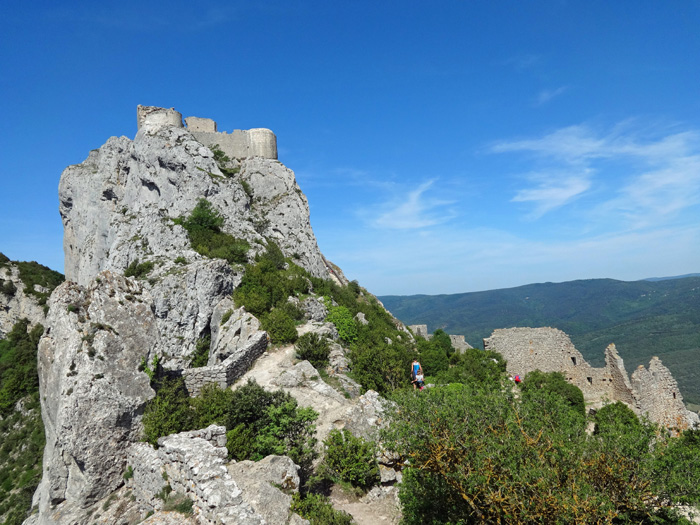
pixel 653 317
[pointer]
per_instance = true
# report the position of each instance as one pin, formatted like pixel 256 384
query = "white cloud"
pixel 413 210
pixel 648 176
pixel 553 191
pixel 546 95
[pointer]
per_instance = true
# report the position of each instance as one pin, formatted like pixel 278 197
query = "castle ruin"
pixel 651 392
pixel 458 342
pixel 239 144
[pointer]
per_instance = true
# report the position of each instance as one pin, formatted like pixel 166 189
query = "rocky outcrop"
pixel 92 392
pixel 119 204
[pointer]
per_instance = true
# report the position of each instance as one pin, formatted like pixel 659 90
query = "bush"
pixel 313 348
pixel 350 459
pixel 554 382
pixel 8 288
pixel 18 364
pixel 318 510
pixel 204 231
pixel 474 365
pixel 280 327
pixel 344 322
pixel 168 412
pixel 138 270
pixel 200 356
pixel 476 454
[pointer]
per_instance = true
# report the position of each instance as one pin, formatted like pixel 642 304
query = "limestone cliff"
pixel 118 207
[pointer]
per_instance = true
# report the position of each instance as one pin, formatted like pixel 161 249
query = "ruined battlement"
pixel 651 392
pixel 239 144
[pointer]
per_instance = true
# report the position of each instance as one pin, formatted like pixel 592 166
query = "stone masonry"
pixel 226 373
pixel 653 392
pixel 256 142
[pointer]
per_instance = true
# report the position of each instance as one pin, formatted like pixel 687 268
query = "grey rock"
pixel 314 309
pixel 368 416
pixel 261 482
pixel 92 393
pixel 118 205
pixel 238 330
pixel 360 318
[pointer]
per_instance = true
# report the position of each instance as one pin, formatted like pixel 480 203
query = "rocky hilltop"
pixel 137 290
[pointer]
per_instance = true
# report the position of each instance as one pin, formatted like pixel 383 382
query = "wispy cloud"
pixel 552 191
pixel 546 95
pixel 646 174
pixel 414 209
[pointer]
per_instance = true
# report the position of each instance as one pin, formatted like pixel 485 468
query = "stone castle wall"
pixel 653 392
pixel 239 144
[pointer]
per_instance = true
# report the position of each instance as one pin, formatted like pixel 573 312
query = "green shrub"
pixel 204 231
pixel 227 315
pixel 200 356
pixel 138 270
pixel 8 288
pixel 313 348
pixel 168 412
pixel 280 327
pixel 18 365
pixel 474 365
pixel 344 322
pixel 318 510
pixel 350 459
pixel 556 383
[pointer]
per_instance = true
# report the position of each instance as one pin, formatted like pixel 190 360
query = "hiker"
pixel 419 381
pixel 415 370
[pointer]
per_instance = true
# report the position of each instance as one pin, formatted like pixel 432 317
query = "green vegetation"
pixel 258 423
pixel 222 160
pixel 18 372
pixel 318 510
pixel 344 322
pixel 555 383
pixel 32 275
pixel 138 270
pixel 313 348
pixel 22 443
pixel 642 318
pixel 204 231
pixel 349 459
pixel 477 454
pixel 200 357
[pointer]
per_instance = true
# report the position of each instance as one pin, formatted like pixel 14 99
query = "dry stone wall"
pixel 226 373
pixel 191 464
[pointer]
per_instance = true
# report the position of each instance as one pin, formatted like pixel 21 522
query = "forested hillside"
pixel 642 318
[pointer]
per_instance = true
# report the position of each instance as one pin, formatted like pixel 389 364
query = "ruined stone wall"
pixel 191 464
pixel 459 343
pixel 239 144
pixel 420 330
pixel 226 373
pixel 549 350
pixel 653 392
pixel 657 396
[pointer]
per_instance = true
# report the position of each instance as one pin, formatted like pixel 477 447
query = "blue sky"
pixel 444 147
